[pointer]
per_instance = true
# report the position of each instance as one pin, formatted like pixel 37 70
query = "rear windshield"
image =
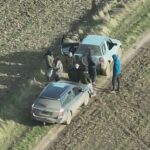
pixel 48 103
pixel 83 49
pixel 54 90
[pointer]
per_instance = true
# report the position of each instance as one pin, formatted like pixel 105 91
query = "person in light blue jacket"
pixel 116 72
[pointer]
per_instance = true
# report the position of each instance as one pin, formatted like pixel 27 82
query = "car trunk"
pixel 69 47
pixel 47 108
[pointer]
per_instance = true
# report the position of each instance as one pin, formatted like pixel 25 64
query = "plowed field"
pixel 115 121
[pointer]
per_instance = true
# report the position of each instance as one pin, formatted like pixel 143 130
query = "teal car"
pixel 102 49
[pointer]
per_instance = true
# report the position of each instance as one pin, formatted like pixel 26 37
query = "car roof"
pixel 54 90
pixel 94 39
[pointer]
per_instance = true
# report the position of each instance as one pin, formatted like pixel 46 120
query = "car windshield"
pixel 83 49
pixel 54 90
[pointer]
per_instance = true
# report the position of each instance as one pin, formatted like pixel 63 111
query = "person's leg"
pixel 113 82
pixel 91 91
pixel 90 72
pixel 94 74
pixel 118 80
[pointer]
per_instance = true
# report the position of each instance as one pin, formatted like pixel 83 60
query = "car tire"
pixel 69 118
pixel 84 60
pixel 107 71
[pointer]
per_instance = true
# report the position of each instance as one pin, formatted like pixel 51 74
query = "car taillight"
pixel 61 112
pixel 101 60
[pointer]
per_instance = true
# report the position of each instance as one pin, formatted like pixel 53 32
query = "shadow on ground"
pixel 16 91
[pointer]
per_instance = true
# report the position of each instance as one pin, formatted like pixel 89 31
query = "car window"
pixel 110 44
pixel 95 50
pixel 77 91
pixel 70 96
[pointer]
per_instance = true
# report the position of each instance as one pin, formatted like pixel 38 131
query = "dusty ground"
pixel 115 121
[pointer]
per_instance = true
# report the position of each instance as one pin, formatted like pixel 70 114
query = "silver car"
pixel 58 102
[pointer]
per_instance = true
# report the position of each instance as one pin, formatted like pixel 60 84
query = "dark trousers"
pixel 114 79
pixel 92 73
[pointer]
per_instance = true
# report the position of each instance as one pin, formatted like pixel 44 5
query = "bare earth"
pixel 115 121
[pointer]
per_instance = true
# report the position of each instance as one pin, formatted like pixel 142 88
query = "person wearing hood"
pixel 49 59
pixel 74 73
pixel 116 72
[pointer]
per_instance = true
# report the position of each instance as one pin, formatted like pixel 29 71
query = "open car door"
pixel 69 45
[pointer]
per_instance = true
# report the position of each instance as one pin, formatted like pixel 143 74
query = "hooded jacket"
pixel 116 66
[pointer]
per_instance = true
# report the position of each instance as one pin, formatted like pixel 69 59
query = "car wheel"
pixel 69 117
pixel 107 70
pixel 84 60
pixel 86 101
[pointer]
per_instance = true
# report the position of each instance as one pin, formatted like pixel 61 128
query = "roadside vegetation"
pixel 123 20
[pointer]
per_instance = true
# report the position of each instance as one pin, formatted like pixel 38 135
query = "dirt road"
pixel 115 121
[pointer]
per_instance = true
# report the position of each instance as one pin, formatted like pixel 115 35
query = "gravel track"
pixel 115 121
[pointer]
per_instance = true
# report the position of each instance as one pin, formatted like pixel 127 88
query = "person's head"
pixel 114 56
pixel 77 66
pixel 49 52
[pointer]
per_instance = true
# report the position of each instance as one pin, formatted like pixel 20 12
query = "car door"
pixel 79 97
pixel 111 49
pixel 67 100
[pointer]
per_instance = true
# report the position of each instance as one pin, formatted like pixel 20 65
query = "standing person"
pixel 91 67
pixel 69 62
pixel 58 69
pixel 74 74
pixel 116 72
pixel 84 78
pixel 49 58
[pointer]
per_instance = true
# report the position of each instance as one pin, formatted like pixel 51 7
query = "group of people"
pixel 54 66
pixel 77 72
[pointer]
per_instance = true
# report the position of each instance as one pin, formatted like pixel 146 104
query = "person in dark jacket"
pixel 74 74
pixel 49 59
pixel 116 72
pixel 91 67
pixel 69 61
